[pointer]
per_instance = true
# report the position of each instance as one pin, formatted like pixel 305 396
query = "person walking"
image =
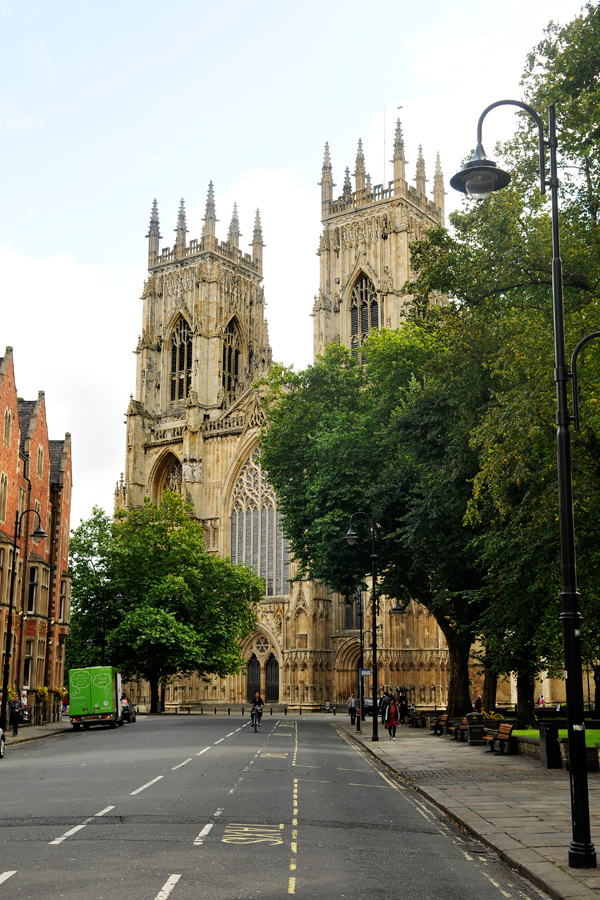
pixel 391 718
pixel 15 715
pixel 352 708
pixel 478 704
pixel 385 702
pixel 402 708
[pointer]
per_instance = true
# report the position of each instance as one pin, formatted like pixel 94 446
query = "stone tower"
pixel 364 248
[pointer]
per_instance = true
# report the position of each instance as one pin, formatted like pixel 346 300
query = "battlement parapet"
pixel 205 244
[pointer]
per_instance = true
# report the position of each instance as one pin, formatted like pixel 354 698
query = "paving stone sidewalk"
pixel 515 806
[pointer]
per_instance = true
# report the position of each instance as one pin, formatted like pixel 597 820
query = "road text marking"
pixel 237 833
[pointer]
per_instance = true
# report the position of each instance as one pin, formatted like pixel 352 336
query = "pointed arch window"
pixel 7 427
pixel 231 369
pixel 181 360
pixel 257 539
pixel 364 312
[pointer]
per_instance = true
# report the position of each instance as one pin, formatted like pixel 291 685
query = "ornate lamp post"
pixel 479 178
pixel 38 533
pixel 352 538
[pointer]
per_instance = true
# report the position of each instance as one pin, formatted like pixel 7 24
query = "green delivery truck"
pixel 95 697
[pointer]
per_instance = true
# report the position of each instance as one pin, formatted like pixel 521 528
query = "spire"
pixel 359 172
pixel 257 242
pixel 154 234
pixel 438 184
pixel 420 179
pixel 399 159
pixel 347 192
pixel 326 182
pixel 181 229
pixel 234 229
pixel 210 215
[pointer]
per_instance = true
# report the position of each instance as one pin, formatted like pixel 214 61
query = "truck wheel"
pixel 76 727
pixel 86 727
pixel 113 724
pixel 121 723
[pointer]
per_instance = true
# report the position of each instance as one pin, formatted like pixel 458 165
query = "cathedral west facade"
pixel 194 427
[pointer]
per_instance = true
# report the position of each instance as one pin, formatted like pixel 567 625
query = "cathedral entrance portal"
pixel 272 686
pixel 253 677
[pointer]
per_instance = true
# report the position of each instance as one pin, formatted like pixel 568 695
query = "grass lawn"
pixel 592 735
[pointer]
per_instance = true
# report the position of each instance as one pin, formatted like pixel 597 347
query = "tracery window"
pixel 231 369
pixel 364 312
pixel 257 539
pixel 40 461
pixel 7 427
pixel 181 360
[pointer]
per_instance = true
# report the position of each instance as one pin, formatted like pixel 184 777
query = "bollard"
pixel 228 710
pixel 271 710
pixel 285 711
pixel 300 710
pixel 215 710
pixel 189 710
pixel 242 710
pixel 334 711
pixel 201 710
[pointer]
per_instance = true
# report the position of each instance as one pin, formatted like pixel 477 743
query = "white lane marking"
pixel 236 785
pixel 219 741
pixel 167 887
pixel 240 728
pixel 6 875
pixel 203 751
pixel 231 733
pixel 184 763
pixel 77 828
pixel 144 786
pixel 67 834
pixel 218 812
pixel 203 833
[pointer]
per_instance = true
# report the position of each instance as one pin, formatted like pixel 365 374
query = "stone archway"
pixel 272 680
pixel 253 677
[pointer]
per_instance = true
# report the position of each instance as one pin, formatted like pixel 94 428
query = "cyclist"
pixel 258 703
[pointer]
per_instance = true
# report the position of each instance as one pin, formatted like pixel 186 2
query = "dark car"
pixel 368 706
pixel 128 710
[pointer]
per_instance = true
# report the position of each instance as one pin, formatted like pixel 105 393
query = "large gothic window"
pixel 257 540
pixel 181 360
pixel 231 361
pixel 364 312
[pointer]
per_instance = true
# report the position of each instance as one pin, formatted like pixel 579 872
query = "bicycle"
pixel 255 713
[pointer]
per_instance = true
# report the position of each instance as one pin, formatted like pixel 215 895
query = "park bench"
pixel 459 729
pixel 417 719
pixel 440 724
pixel 501 736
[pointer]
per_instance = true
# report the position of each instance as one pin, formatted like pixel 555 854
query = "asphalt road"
pixel 193 807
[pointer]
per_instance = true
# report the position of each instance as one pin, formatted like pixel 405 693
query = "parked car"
pixel 128 710
pixel 368 706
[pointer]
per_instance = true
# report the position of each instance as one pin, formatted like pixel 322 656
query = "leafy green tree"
pixel 182 609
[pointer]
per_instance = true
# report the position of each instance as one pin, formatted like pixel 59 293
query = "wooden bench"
pixel 440 724
pixel 417 719
pixel 459 730
pixel 501 736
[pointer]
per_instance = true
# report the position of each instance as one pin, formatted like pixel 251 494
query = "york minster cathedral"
pixel 194 426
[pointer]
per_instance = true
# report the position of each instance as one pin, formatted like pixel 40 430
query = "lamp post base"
pixel 582 856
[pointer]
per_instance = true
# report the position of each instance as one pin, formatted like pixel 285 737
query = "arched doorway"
pixel 253 677
pixel 272 686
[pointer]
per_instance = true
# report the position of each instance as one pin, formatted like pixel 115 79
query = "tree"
pixel 183 610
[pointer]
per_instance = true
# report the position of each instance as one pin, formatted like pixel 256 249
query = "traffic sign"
pixel 365 672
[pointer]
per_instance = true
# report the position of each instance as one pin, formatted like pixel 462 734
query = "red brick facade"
pixel 35 474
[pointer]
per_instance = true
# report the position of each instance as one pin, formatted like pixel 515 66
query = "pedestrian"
pixel 477 706
pixel 15 715
pixel 402 708
pixel 391 718
pixel 541 700
pixel 385 702
pixel 352 708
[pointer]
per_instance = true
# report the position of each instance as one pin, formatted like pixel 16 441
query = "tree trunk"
pixel 525 700
pixel 490 685
pixel 459 699
pixel 153 694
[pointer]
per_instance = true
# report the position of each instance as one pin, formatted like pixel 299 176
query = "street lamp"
pixel 351 538
pixel 38 533
pixel 479 178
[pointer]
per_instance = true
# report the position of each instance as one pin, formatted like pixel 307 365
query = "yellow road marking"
pixel 239 833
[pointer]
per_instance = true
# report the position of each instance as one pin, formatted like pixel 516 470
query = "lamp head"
pixel 479 177
pixel 397 609
pixel 39 533
pixel 88 644
pixel 351 536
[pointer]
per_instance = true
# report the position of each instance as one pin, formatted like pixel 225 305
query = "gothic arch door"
pixel 253 677
pixel 272 691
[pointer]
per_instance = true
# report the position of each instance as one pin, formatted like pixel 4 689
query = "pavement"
pixel 516 807
pixel 512 804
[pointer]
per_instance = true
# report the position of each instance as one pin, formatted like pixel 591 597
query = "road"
pixel 192 807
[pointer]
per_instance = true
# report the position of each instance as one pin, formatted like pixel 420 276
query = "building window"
pixel 63 600
pixel 231 361
pixel 257 539
pixel 7 427
pixel 364 312
pixel 181 360
pixel 40 461
pixel 3 496
pixel 32 592
pixel 21 500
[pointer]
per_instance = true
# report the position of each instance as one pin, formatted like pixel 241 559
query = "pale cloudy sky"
pixel 105 106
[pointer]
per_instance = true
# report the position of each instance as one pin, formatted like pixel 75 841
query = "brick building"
pixel 35 474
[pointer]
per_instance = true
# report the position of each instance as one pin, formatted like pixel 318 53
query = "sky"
pixel 106 106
